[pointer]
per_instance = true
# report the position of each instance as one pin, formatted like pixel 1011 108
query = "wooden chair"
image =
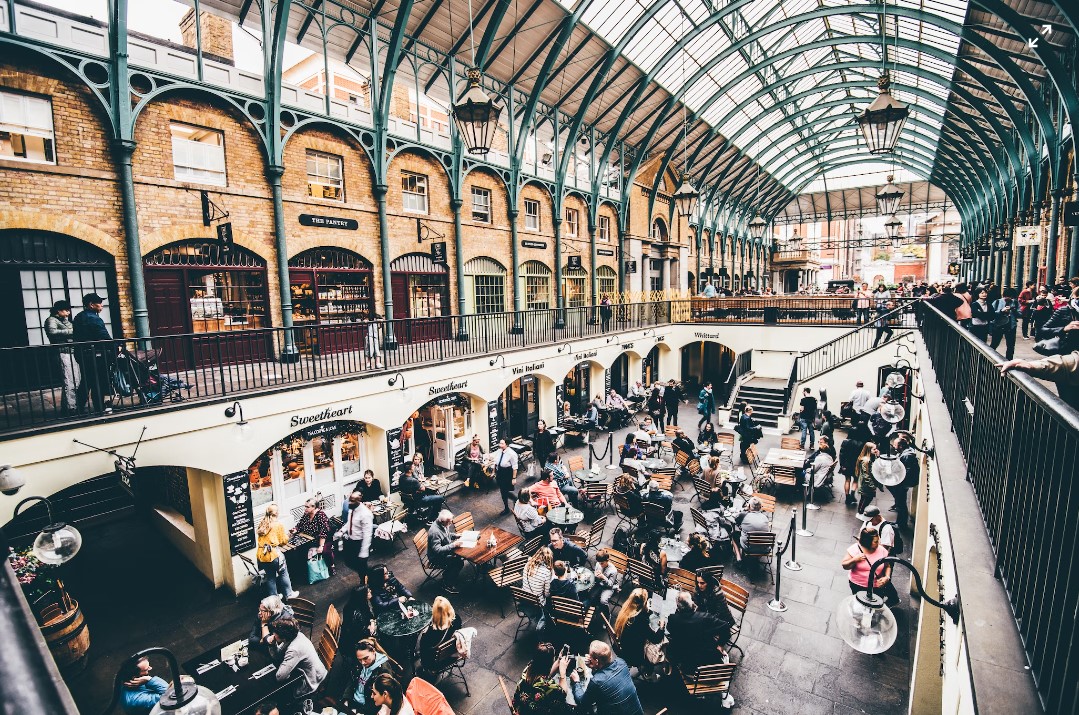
pixel 448 663
pixel 527 548
pixel 698 518
pixel 430 571
pixel 463 522
pixel 761 545
pixel 708 680
pixel 738 602
pixel 304 612
pixel 506 692
pixel 334 622
pixel 785 477
pixel 681 459
pixel 703 488
pixel 622 511
pixel 693 468
pixel 595 497
pixel 790 443
pixel 663 479
pixel 682 579
pixel 768 503
pixel 327 649
pixel 506 575
pixel 594 536
pixel 716 572
pixel 725 442
pixel 670 431
pixel 571 615
pixel 528 606
pixel 644 575
pixel 609 629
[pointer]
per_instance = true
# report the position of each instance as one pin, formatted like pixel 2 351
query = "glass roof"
pixel 714 53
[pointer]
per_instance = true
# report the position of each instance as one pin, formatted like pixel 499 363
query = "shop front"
pixel 519 409
pixel 619 374
pixel 705 361
pixel 331 288
pixel 650 367
pixel 421 291
pixel 202 287
pixel 441 430
pixel 325 459
pixel 576 388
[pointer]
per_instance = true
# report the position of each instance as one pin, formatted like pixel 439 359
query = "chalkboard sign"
pixel 1071 213
pixel 438 252
pixel 396 457
pixel 494 424
pixel 560 400
pixel 573 262
pixel 238 512
pixel 606 383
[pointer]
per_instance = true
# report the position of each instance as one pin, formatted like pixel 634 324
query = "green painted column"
pixel 459 267
pixel 289 351
pixel 595 258
pixel 515 259
pixel 560 315
pixel 1051 244
pixel 380 190
pixel 125 149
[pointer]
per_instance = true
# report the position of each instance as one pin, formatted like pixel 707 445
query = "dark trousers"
pixel 1008 334
pixel 95 385
pixel 981 332
pixel 351 556
pixel 887 591
pixel 706 417
pixel 451 568
pixel 672 416
pixel 504 476
pixel 881 331
pixel 902 513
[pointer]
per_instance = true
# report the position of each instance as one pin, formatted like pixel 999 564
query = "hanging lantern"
pixel 892 226
pixel 756 228
pixel 476 116
pixel 882 120
pixel 686 197
pixel 888 198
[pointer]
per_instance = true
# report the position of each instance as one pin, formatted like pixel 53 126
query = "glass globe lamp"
pixel 892 412
pixel 867 625
pixel 895 379
pixel 200 700
pixel 57 544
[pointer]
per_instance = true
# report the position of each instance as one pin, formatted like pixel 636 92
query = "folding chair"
pixel 663 478
pixel 327 649
pixel 725 442
pixel 304 613
pixel 463 522
pixel 738 602
pixel 571 615
pixel 610 631
pixel 708 680
pixel 594 536
pixel 698 519
pixel 594 498
pixel 693 468
pixel 682 579
pixel 506 575
pixel 575 466
pixel 768 503
pixel 622 511
pixel 644 575
pixel 703 488
pixel 334 622
pixel 426 699
pixel 761 545
pixel 785 477
pixel 430 571
pixel 528 606
pixel 715 572
pixel 448 662
pixel 527 548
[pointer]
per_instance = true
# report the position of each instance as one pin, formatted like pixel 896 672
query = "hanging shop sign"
pixel 224 235
pixel 1071 213
pixel 239 514
pixel 631 266
pixel 346 224
pixel 984 249
pixel 1028 235
pixel 573 263
pixel 534 244
pixel 326 414
pixel 606 382
pixel 604 252
pixel 953 269
pixel 1001 243
pixel 438 252
pixel 494 422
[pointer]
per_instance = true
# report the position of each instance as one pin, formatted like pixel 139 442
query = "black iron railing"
pixel 857 342
pixel 1021 444
pixel 742 364
pixel 808 310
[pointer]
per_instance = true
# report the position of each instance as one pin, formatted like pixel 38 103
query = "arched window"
pixel 608 281
pixel 485 286
pixel 537 285
pixel 659 230
pixel 574 286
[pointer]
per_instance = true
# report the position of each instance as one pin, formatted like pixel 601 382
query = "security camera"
pixel 11 480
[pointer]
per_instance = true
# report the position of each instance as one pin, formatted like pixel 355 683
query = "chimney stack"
pixel 216 34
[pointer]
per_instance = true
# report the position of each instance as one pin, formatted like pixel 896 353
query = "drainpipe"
pixel 124 149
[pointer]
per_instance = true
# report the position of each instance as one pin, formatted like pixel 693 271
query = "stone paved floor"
pixel 137 591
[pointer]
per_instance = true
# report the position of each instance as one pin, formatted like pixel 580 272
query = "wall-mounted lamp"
pixel 11 480
pixel 564 348
pixel 230 412
pixel 925 449
pixel 184 696
pixel 58 542
pixel 398 377
pixel 650 330
pixel 496 358
pixel 611 339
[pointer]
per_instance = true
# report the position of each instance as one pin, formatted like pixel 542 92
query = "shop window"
pixel 293 469
pixel 41 288
pixel 198 154
pixel 608 281
pixel 324 176
pixel 414 192
pixel 322 457
pixel 490 294
pixel 532 215
pixel 574 287
pixel 573 219
pixel 537 286
pixel 604 229
pixel 481 205
pixel 425 293
pixel 262 480
pixel 26 128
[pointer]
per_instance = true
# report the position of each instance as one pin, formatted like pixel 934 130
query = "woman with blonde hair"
pixel 634 632
pixel 444 624
pixel 863 474
pixel 271 535
pixel 538 574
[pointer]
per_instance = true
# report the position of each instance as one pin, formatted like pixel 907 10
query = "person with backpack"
pixel 706 404
pixel 890 538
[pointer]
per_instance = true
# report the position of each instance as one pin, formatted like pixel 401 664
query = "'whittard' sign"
pixel 448 387
pixel 326 414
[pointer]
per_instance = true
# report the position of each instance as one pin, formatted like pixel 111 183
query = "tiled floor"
pixel 137 591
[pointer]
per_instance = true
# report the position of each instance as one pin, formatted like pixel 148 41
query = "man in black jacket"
pixel 672 396
pixel 749 432
pixel 696 638
pixel 909 459
pixel 94 360
pixel 565 551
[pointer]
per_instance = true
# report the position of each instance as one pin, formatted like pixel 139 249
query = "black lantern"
pixel 888 198
pixel 892 226
pixel 882 120
pixel 686 197
pixel 476 116
pixel 756 228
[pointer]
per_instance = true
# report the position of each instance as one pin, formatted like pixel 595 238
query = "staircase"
pixel 766 397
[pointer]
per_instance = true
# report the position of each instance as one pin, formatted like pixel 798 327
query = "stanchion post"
pixel 804 531
pixel 792 564
pixel 610 449
pixel 776 604
pixel 810 486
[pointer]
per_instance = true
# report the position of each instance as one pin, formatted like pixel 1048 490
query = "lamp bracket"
pixel 427 232
pixel 210 211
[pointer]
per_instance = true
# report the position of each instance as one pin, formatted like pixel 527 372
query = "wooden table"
pixel 785 458
pixel 482 554
pixel 240 691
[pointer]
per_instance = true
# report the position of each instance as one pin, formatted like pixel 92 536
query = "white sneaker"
pixel 293 594
pixel 728 701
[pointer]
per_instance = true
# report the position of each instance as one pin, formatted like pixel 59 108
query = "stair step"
pixel 764 390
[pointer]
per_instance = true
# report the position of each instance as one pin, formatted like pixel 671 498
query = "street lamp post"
pixel 184 696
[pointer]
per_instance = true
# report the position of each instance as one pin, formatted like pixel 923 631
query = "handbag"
pixel 655 653
pixel 1050 346
pixel 317 569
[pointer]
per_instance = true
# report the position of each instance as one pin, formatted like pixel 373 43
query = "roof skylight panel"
pixel 610 19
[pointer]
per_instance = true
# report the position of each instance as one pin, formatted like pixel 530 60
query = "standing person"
pixel 807 417
pixel 706 404
pixel 858 397
pixel 605 312
pixel 474 478
pixel 862 300
pixel 1005 322
pixel 271 534
pixel 982 316
pixel 863 469
pixel 61 331
pixel 848 460
pixel 373 345
pixel 1026 297
pixel 442 542
pixel 859 560
pixel 1041 309
pixel 355 535
pixel 611 690
pixel 543 443
pixel 96 360
pixel 672 396
pixel 749 432
pixel 141 691
pixel 506 463
pixel 655 407
pixel 314 522
pixel 882 324
pixel 963 311
pixel 902 446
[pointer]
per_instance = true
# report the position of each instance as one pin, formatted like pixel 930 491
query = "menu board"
pixel 396 457
pixel 238 512
pixel 494 423
pixel 606 383
pixel 560 400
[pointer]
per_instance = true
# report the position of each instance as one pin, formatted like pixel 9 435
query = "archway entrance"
pixel 620 374
pixel 519 409
pixel 577 389
pixel 650 367
pixel 705 361
pixel 440 430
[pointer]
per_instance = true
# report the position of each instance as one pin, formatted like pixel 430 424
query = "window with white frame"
pixel 414 192
pixel 26 128
pixel 537 280
pixel 604 229
pixel 481 205
pixel 325 176
pixel 608 280
pixel 532 217
pixel 198 154
pixel 573 219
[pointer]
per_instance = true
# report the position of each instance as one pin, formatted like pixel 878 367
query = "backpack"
pixel 624 541
pixel 898 545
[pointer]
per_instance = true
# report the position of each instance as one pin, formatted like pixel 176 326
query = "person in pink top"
pixel 546 493
pixel 860 558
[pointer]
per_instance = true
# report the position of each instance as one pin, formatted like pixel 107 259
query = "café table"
pixel 777 457
pixel 674 549
pixel 565 516
pixel 584 579
pixel 481 554
pixel 380 511
pixel 241 691
pixel 395 626
pixel 661 607
pixel 653 463
pixel 589 476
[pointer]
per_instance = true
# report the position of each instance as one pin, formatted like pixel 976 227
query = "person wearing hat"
pixel 886 529
pixel 93 359
pixel 61 331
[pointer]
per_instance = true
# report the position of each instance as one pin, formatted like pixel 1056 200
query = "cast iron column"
pixel 390 341
pixel 124 149
pixel 560 315
pixel 289 352
pixel 517 328
pixel 455 205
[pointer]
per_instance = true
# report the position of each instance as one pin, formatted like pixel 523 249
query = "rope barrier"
pixel 600 457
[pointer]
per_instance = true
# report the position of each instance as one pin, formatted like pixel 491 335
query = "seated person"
pixel 532 522
pixel 710 599
pixel 633 630
pixel 591 418
pixel 297 654
pixel 444 624
pixel 141 691
pixel 617 410
pixel 371 661
pixel 271 609
pixel 267 707
pixel 546 493
pixel 563 585
pixel 562 477
pixel 748 522
pixel 699 553
pixel 695 637
pixel 665 499
pixel 442 543
pixel 386 591
pixel 415 495
pixel 630 450
pixel 539 689
pixel 608 581
pixel 682 443
pixel 388 695
pixel 707 435
pixel 720 489
pixel 565 550
pixel 651 553
pixel 370 489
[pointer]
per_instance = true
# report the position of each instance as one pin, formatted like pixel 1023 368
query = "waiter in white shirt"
pixel 506 462
pixel 859 397
pixel 354 537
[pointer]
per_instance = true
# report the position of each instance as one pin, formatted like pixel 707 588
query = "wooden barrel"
pixel 66 634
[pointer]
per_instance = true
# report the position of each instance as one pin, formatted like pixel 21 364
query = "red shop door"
pixel 165 294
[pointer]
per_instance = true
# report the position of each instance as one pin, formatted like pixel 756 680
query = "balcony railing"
pixel 808 310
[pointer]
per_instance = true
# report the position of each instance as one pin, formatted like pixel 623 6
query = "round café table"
pixel 584 579
pixel 653 463
pixel 393 625
pixel 590 477
pixel 565 516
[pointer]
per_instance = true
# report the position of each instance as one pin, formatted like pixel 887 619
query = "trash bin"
pixel 771 315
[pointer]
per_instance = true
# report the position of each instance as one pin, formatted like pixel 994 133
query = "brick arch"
pixel 150 242
pixel 299 244
pixel 423 153
pixel 490 173
pixel 46 221
pixel 220 103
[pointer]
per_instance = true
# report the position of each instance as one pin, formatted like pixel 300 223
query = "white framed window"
pixel 537 285
pixel 26 128
pixel 532 216
pixel 481 205
pixel 573 220
pixel 604 229
pixel 198 154
pixel 325 178
pixel 414 192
